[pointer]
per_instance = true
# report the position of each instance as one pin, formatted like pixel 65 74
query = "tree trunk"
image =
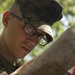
pixel 56 60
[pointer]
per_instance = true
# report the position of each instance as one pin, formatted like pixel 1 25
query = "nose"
pixel 32 42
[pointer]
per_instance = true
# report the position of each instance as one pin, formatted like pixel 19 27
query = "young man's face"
pixel 17 41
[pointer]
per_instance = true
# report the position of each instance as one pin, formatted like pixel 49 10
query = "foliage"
pixel 5 4
pixel 68 10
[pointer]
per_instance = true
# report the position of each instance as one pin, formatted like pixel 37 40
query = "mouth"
pixel 25 49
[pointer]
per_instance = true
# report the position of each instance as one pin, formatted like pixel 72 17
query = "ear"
pixel 6 17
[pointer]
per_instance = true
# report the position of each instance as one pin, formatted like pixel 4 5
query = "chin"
pixel 21 56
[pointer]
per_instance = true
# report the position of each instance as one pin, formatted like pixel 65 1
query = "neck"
pixel 5 52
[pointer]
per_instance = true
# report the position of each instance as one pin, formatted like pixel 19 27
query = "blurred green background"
pixel 59 27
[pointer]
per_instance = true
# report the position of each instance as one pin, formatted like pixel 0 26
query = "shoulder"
pixel 6 67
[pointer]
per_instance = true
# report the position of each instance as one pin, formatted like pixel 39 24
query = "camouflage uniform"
pixel 6 67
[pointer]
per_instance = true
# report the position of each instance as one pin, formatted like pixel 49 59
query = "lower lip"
pixel 25 49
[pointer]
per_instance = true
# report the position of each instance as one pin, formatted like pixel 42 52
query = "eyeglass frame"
pixel 25 23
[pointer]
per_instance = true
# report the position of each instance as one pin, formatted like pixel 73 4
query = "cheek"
pixel 14 36
pixel 17 34
pixel 16 31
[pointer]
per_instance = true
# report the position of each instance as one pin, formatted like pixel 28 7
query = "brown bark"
pixel 56 60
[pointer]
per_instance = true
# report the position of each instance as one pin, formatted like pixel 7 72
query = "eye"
pixel 29 27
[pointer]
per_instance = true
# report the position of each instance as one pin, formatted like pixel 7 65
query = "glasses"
pixel 31 31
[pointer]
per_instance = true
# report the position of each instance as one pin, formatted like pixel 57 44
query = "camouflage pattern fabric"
pixel 49 11
pixel 6 67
